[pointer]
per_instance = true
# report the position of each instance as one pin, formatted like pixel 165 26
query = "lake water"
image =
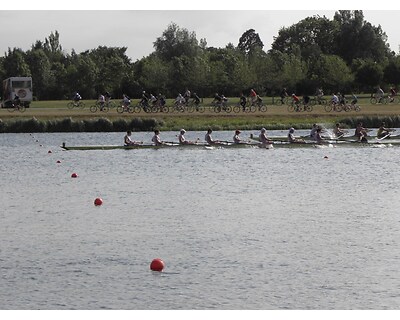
pixel 249 228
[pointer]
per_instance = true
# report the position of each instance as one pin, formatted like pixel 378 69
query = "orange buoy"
pixel 98 201
pixel 74 175
pixel 157 265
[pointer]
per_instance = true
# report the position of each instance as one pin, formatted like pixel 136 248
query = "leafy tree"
pixel 369 75
pixel 14 64
pixel 249 41
pixel 176 42
pixel 392 71
pixel 40 70
pixel 312 35
pixel 359 39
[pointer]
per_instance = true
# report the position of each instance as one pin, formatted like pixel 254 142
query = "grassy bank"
pixel 54 116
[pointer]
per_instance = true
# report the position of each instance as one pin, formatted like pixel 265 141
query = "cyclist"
pixel 296 101
pixel 342 99
pixel 16 101
pixel 77 97
pixel 283 95
pixel 145 100
pixel 392 94
pixel 196 99
pixel 217 99
pixel 101 101
pixel 354 99
pixel 180 99
pixel 161 100
pixel 187 95
pixel 153 99
pixel 253 96
pixel 379 95
pixel 319 94
pixel 243 100
pixel 126 101
pixel 107 97
pixel 335 99
pixel 306 100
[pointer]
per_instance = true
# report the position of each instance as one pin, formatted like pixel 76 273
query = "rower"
pixel 383 131
pixel 292 138
pixel 182 139
pixel 317 135
pixel 361 133
pixel 156 138
pixel 263 137
pixel 209 139
pixel 128 141
pixel 338 131
pixel 236 137
pixel 313 130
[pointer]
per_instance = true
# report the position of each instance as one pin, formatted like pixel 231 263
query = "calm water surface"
pixel 237 228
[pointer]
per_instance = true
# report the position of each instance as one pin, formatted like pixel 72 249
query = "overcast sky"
pixel 138 29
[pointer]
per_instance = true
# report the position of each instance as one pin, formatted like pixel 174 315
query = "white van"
pixel 17 86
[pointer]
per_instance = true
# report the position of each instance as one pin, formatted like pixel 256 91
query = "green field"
pixel 276 117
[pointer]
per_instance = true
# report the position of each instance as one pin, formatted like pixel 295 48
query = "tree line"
pixel 345 54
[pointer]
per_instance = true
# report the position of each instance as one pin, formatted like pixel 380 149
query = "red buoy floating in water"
pixel 98 201
pixel 326 157
pixel 74 175
pixel 58 161
pixel 157 265
pixel 49 151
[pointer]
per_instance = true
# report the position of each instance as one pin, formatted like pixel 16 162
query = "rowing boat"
pixel 163 146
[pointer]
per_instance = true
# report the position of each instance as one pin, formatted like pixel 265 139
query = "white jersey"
pixel 236 138
pixel 156 140
pixel 182 138
pixel 209 139
pixel 263 138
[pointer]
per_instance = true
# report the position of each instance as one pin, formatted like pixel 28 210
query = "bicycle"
pixel 280 101
pixel 318 100
pixel 126 108
pixel 333 107
pixel 393 99
pixel 194 105
pixel 99 107
pixel 299 107
pixel 376 100
pixel 219 106
pixel 75 104
pixel 18 107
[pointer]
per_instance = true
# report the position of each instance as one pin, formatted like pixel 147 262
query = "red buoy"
pixel 49 151
pixel 157 265
pixel 326 157
pixel 58 161
pixel 98 202
pixel 74 175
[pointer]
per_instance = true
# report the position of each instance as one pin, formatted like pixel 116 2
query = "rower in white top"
pixel 182 139
pixel 264 139
pixel 128 141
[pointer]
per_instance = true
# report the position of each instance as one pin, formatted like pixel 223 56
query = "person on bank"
pixel 128 140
